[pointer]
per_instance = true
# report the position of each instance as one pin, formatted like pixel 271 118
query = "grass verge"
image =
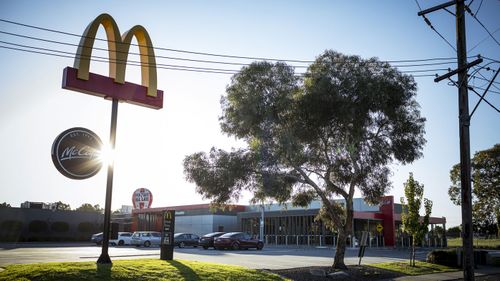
pixel 137 269
pixel 478 243
pixel 420 267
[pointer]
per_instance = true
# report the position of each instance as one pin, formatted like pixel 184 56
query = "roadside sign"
pixel 379 228
pixel 167 236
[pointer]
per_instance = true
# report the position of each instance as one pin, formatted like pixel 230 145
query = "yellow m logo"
pixel 118 48
pixel 168 215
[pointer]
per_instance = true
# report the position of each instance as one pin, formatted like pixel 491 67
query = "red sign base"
pixel 103 86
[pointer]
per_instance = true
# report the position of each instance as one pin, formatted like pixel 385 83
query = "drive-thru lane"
pixel 269 257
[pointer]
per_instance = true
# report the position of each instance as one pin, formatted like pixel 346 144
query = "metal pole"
pixel 465 169
pixel 104 258
pixel 261 230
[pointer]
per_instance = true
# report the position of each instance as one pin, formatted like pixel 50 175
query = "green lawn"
pixel 478 243
pixel 419 269
pixel 139 269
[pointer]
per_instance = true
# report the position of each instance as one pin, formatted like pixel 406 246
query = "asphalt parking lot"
pixel 269 257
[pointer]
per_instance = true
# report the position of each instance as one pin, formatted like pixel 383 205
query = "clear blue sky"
pixel 152 144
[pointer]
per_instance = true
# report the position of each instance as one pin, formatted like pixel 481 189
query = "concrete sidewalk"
pixel 482 271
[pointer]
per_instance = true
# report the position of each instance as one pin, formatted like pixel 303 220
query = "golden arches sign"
pixel 145 94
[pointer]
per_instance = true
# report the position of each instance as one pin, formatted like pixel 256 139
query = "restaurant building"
pixel 289 225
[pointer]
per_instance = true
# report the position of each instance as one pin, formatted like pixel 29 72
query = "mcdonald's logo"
pixel 78 78
pixel 168 215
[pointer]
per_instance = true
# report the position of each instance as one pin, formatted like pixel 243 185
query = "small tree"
pixel 62 206
pixel 413 224
pixel 86 207
pixel 5 205
pixel 485 190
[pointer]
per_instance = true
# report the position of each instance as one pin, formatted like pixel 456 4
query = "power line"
pixel 448 61
pixel 474 16
pixel 428 22
pixel 484 39
pixel 189 52
pixel 160 48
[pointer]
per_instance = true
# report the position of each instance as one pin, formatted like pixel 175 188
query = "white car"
pixel 145 238
pixel 124 238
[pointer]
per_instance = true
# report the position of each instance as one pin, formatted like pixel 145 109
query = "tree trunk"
pixel 413 251
pixel 338 261
pixel 346 229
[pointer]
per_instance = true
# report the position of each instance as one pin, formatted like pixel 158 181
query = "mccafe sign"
pixel 76 153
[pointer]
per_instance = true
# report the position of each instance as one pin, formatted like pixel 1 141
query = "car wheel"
pixel 147 244
pixel 260 246
pixel 121 243
pixel 182 245
pixel 235 246
pixel 205 247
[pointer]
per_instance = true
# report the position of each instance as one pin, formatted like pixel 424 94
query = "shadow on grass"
pixel 185 271
pixel 103 271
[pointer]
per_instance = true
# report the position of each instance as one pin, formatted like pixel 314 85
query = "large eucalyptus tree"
pixel 320 136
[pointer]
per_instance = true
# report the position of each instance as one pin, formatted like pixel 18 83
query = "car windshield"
pixel 155 234
pixel 178 234
pixel 230 234
pixel 214 234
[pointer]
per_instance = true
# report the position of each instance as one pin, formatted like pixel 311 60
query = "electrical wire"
pixel 191 52
pixel 484 27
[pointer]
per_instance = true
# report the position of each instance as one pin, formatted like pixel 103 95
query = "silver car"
pixel 124 238
pixel 145 238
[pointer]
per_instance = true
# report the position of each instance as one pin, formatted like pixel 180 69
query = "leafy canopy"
pixel 485 188
pixel 317 137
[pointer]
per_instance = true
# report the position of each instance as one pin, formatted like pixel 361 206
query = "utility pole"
pixel 464 123
pixel 465 168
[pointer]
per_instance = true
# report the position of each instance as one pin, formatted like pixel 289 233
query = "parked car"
pixel 207 240
pixel 186 239
pixel 145 238
pixel 124 238
pixel 97 238
pixel 237 240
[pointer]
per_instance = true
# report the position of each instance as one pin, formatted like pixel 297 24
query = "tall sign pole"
pixel 104 257
pixel 465 169
pixel 115 88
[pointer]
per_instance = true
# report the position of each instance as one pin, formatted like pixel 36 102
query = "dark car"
pixel 237 240
pixel 207 240
pixel 97 238
pixel 186 239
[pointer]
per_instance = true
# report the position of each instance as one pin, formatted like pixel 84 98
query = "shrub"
pixel 12 226
pixel 86 227
pixel 59 226
pixel 37 226
pixel 443 257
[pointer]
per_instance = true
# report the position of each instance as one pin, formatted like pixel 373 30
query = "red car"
pixel 236 241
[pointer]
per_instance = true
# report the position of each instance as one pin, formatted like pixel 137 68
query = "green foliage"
pixel 37 226
pixel 62 206
pixel 412 223
pixel 443 257
pixel 12 225
pixel 485 188
pixel 86 207
pixel 319 137
pixel 454 231
pixel 5 205
pixel 138 269
pixel 59 226
pixel 86 227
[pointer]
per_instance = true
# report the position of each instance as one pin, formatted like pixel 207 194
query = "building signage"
pixel 78 78
pixel 142 198
pixel 167 236
pixel 76 153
